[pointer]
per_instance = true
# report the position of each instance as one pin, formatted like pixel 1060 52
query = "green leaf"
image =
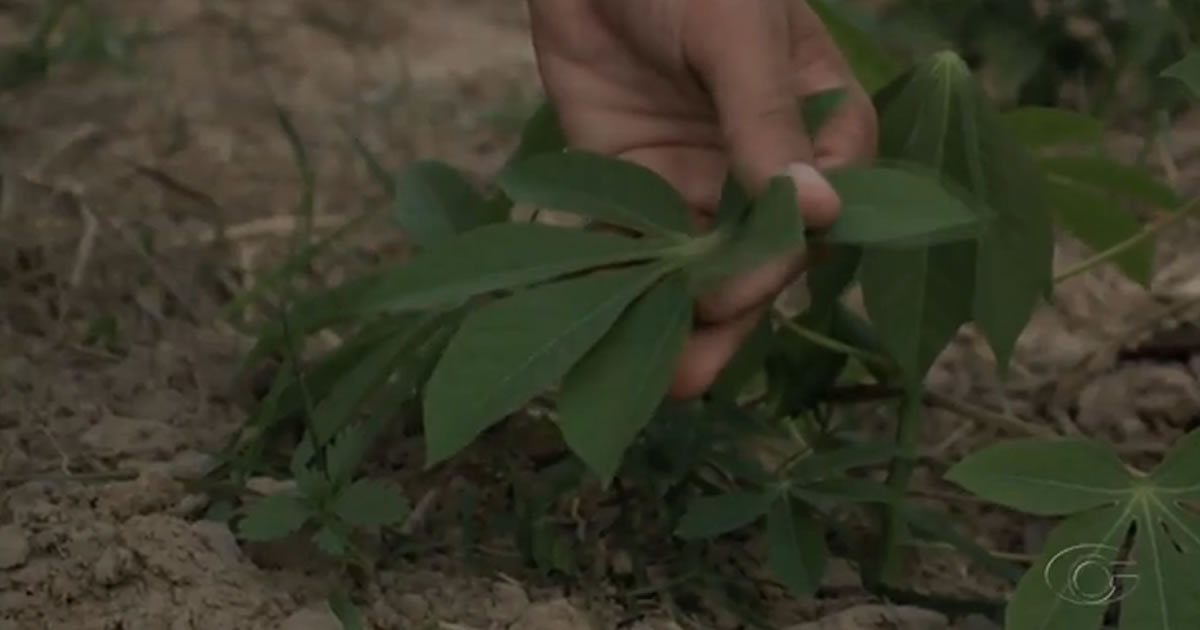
pixel 883 205
pixel 345 455
pixel 272 517
pixel 917 300
pixel 1061 589
pixel 1179 471
pixel 433 201
pixel 1045 476
pixel 1099 223
pixel 712 516
pixel 851 329
pixel 1164 566
pixel 370 503
pixel 773 227
pixel 355 384
pixel 817 108
pixel 285 398
pixel 796 552
pixel 938 116
pixel 1186 70
pixel 600 187
pixel 1112 177
pixel 844 490
pixel 872 66
pixel 1014 258
pixel 489 258
pixel 609 396
pixel 836 461
pixel 828 279
pixel 511 350
pixel 346 611
pixel 540 134
pixel 331 542
pixel 732 206
pixel 496 257
pixel 1044 127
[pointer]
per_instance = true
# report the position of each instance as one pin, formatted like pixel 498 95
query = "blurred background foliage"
pixel 1100 57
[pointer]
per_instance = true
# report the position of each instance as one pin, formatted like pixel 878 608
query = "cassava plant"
pixel 952 226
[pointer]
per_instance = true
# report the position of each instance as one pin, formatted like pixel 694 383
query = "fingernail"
pixel 817 200
pixel 809 181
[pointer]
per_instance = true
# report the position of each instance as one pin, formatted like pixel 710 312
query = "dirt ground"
pixel 115 373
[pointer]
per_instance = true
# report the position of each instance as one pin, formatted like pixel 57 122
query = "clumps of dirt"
pixel 123 555
pixel 131 554
pixel 878 617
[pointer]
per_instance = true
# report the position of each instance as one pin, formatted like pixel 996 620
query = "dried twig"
pixel 985 416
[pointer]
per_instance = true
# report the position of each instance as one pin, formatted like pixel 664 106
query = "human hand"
pixel 691 89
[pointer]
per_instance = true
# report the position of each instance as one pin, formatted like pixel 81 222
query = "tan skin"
pixel 691 88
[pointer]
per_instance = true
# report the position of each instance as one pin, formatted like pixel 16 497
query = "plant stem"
pixel 830 343
pixel 986 416
pixel 1024 558
pixel 1137 239
pixel 908 431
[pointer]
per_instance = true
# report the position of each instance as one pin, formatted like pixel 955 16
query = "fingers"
pixel 742 52
pixel 850 136
pixel 706 353
pixel 751 290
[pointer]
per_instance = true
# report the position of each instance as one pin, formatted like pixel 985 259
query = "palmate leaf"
pixel 509 351
pixel 273 517
pixel 1113 178
pixel 1099 223
pixel 434 201
pixel 712 516
pixel 1014 258
pixel 490 258
pixel 356 382
pixel 392 366
pixel 540 134
pixel 898 206
pixel 370 503
pixel 771 227
pixel 501 256
pixel 1186 70
pixel 599 187
pixel 1081 571
pixel 937 116
pixel 1044 127
pixel 610 395
pixel 796 552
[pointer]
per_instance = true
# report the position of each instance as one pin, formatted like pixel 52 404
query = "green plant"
pixel 952 226
pixel 1031 49
pixel 67 31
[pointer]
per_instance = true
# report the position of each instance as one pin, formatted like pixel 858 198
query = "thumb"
pixel 741 51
